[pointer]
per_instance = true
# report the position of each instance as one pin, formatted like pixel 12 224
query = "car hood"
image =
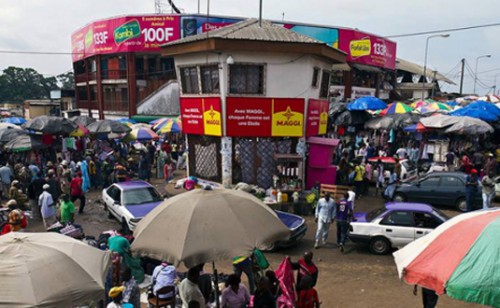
pixel 360 217
pixel 290 220
pixel 141 210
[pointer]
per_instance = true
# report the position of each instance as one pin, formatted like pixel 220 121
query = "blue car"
pixel 130 201
pixel 297 226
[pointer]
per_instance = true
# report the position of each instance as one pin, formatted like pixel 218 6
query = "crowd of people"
pixel 47 184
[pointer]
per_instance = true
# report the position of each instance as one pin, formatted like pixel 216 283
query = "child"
pixel 307 296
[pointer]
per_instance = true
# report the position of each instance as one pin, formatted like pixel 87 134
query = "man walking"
pixel 471 186
pixel 343 215
pixel 488 184
pixel 47 206
pixel 6 177
pixel 77 191
pixel 325 212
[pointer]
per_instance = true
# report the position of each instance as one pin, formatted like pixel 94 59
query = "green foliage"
pixel 18 84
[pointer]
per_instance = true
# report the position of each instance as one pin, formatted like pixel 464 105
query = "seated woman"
pixel 235 295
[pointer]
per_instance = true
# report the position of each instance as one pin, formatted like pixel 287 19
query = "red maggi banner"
pixel 201 115
pixel 317 117
pixel 264 117
pixel 367 48
pixel 125 34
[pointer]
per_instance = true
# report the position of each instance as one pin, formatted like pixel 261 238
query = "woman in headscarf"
pixel 160 162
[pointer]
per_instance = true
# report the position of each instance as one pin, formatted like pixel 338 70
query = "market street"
pixel 354 279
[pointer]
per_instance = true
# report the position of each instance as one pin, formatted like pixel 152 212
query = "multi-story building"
pixel 119 69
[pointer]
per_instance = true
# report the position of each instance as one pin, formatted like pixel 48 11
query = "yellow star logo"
pixel 211 112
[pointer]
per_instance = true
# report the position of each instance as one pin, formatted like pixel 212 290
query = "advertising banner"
pixel 367 49
pixel 192 25
pixel 125 34
pixel 201 115
pixel 264 117
pixel 317 117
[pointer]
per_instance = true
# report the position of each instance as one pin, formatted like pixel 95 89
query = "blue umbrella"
pixel 14 120
pixel 366 103
pixel 475 113
pixel 489 107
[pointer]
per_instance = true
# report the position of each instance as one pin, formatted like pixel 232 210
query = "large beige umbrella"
pixel 49 270
pixel 207 225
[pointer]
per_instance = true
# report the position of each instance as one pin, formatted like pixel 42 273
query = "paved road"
pixel 354 279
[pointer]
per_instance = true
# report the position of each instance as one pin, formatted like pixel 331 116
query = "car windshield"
pixel 441 214
pixel 375 213
pixel 140 196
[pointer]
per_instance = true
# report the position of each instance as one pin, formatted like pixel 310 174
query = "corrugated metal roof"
pixel 404 65
pixel 250 30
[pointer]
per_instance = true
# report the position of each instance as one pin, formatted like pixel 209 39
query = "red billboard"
pixel 125 34
pixel 367 49
pixel 201 115
pixel 317 117
pixel 264 117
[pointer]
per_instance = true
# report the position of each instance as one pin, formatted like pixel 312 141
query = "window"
pixel 189 80
pixel 209 78
pixel 315 79
pixel 141 196
pixel 246 79
pixel 451 181
pixel 325 84
pixel 426 221
pixel 398 218
pixel 375 213
pixel 430 182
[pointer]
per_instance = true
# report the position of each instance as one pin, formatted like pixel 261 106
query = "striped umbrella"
pixel 425 109
pixel 126 121
pixel 396 107
pixel 441 106
pixel 159 123
pixel 80 131
pixel 419 103
pixel 460 257
pixel 170 126
pixel 141 134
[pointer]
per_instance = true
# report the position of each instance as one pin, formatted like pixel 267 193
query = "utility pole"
pixel 158 7
pixel 462 76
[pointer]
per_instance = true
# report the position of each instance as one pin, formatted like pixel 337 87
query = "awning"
pixel 341 67
pixel 403 65
pixel 366 68
pixel 148 118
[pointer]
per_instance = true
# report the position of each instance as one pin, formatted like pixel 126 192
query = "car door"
pixel 108 196
pixel 425 223
pixel 112 199
pixel 451 189
pixel 398 227
pixel 426 190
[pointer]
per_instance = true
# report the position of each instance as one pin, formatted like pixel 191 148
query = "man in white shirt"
pixel 47 207
pixel 189 290
pixel 325 213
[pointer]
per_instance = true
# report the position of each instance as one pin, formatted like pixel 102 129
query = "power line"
pixel 443 30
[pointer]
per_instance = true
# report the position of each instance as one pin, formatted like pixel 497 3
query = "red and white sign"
pixel 317 117
pixel 192 116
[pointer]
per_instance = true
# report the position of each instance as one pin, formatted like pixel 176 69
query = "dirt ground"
pixel 356 278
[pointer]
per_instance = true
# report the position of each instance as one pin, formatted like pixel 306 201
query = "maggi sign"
pixel 201 115
pixel 288 122
pixel 212 122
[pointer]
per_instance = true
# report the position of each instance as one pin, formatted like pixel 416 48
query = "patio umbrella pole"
pixel 216 288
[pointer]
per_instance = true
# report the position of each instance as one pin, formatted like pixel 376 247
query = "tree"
pixel 19 84
pixel 66 80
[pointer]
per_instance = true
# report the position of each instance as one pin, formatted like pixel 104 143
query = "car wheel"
pixel 399 197
pixel 461 205
pixel 380 245
pixel 125 228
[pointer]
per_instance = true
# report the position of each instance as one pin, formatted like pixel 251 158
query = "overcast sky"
pixel 46 25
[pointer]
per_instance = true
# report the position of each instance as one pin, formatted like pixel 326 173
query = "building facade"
pixel 120 71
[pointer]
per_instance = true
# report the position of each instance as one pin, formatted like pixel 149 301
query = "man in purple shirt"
pixel 343 216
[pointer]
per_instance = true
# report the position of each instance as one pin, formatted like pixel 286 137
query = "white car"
pixel 394 225
pixel 130 201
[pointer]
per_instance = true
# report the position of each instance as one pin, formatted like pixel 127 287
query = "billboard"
pixel 192 25
pixel 125 34
pixel 367 49
pixel 317 117
pixel 201 115
pixel 264 117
